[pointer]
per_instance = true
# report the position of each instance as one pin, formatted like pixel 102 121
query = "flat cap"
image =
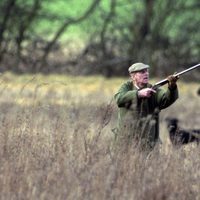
pixel 136 67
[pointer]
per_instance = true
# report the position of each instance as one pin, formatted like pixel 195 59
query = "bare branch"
pixel 69 21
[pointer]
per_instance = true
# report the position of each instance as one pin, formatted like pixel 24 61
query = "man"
pixel 139 106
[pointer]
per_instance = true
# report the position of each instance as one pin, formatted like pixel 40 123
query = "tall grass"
pixel 56 143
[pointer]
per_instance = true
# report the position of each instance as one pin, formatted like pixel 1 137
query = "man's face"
pixel 141 77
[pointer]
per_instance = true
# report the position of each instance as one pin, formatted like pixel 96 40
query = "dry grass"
pixel 56 143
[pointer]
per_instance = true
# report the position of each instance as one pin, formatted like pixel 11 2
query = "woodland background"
pixel 98 36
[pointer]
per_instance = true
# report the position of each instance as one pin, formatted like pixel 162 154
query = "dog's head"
pixel 172 123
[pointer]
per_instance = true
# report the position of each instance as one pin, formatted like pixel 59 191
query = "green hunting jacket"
pixel 139 117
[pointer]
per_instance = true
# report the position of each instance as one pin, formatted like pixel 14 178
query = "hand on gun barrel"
pixel 172 79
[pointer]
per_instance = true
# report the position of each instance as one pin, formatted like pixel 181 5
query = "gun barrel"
pixel 164 81
pixel 187 70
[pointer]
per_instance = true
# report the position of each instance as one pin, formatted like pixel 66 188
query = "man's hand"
pixel 172 81
pixel 145 93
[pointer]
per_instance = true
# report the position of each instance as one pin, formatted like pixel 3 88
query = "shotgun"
pixel 164 81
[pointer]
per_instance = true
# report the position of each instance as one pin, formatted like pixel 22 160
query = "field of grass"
pixel 56 143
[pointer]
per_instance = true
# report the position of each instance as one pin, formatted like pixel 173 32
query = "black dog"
pixel 179 136
pixel 198 92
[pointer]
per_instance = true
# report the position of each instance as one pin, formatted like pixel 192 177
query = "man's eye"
pixel 144 71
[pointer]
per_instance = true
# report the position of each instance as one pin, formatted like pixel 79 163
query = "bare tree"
pixel 24 25
pixel 107 21
pixel 159 32
pixel 64 26
pixel 9 5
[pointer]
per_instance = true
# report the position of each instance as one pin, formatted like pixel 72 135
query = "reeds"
pixel 64 151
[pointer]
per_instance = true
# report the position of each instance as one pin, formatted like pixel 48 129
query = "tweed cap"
pixel 137 67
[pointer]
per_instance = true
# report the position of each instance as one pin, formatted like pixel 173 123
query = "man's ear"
pixel 132 76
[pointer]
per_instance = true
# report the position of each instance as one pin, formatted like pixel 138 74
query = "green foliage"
pixel 59 11
pixel 158 32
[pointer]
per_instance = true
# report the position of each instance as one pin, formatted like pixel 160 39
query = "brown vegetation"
pixel 52 151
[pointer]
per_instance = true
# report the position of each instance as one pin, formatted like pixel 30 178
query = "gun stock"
pixel 164 81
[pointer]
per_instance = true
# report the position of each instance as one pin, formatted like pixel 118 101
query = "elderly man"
pixel 139 106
